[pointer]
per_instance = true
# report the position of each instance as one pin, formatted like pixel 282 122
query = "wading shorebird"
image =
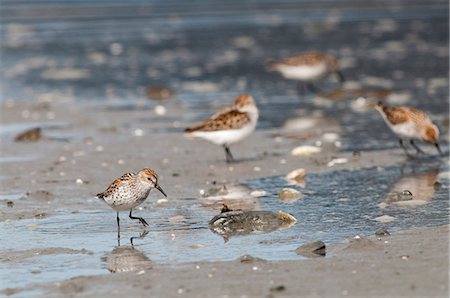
pixel 129 191
pixel 229 125
pixel 410 123
pixel 307 67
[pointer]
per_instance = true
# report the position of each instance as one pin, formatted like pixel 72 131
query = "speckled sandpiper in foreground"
pixel 129 191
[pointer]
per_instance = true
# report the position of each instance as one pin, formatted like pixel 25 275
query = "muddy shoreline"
pixel 95 144
pixel 410 263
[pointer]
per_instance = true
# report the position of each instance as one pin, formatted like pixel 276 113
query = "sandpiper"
pixel 410 123
pixel 229 125
pixel 307 67
pixel 129 191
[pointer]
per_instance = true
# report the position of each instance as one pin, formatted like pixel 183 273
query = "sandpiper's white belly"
pixel 303 73
pixel 124 199
pixel 228 136
pixel 406 130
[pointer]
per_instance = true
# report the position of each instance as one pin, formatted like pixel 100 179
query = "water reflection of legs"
pixel 141 236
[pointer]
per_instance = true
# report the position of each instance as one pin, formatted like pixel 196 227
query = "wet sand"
pixel 102 144
pixel 409 263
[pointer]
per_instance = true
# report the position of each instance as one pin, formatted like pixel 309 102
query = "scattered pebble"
pixel 162 201
pixel 384 218
pixel 330 137
pixel 196 246
pixel 249 259
pixel 79 181
pixel 404 257
pixel 30 135
pixel 296 176
pixel 305 150
pixel 138 132
pixel 258 193
pixel 257 169
pixel 279 288
pixel 159 92
pixel 289 195
pixel 382 232
pixel 160 110
pixel 437 185
pixel 312 249
pixel 337 161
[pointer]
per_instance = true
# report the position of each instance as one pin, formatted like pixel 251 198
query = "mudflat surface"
pixel 79 71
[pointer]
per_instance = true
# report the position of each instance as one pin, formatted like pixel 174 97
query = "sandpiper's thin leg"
pixel 400 141
pixel 416 147
pixel 118 226
pixel 301 88
pixel 143 222
pixel 228 154
pixel 312 88
pixel 438 148
pixel 340 76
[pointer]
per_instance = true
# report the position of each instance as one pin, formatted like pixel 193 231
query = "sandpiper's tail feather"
pixel 100 196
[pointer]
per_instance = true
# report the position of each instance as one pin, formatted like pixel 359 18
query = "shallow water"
pixel 345 206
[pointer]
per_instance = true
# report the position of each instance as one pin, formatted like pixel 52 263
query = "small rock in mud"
pixel 40 195
pixel 382 232
pixel 312 249
pixel 10 204
pixel 159 92
pixel 305 150
pixel 337 161
pixel 296 176
pixel 216 191
pixel 248 259
pixel 235 223
pixel 289 195
pixel 360 245
pixel 279 288
pixel 384 218
pixel 30 135
pixel 437 185
pixel 258 193
pixel 41 215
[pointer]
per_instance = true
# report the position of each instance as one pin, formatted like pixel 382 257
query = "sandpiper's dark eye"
pixel 149 179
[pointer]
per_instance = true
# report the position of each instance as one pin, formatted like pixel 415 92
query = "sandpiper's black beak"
pixel 160 189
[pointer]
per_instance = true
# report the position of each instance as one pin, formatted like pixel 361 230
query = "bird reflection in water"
pixel 127 258
pixel 413 189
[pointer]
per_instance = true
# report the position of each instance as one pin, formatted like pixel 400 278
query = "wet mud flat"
pixel 81 89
